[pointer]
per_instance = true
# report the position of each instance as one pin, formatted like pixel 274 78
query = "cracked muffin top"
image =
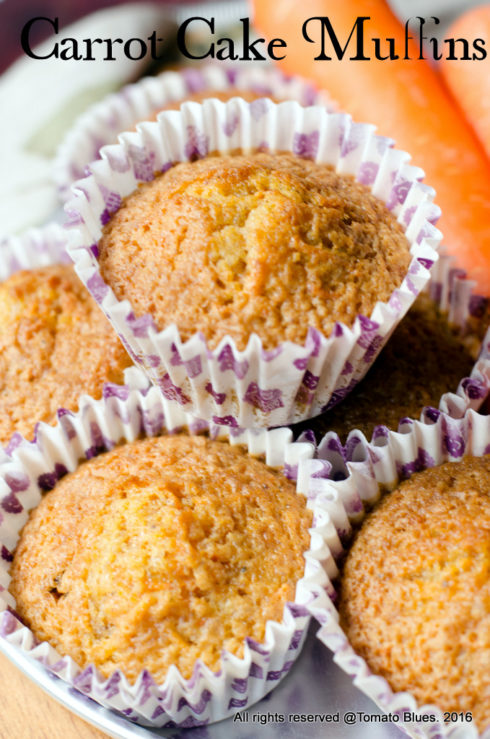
pixel 55 344
pixel 179 547
pixel 260 243
pixel 415 589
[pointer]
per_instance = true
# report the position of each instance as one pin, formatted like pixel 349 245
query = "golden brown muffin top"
pixel 415 590
pixel 55 344
pixel 178 547
pixel 425 358
pixel 263 243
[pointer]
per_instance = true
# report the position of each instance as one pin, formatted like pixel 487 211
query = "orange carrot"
pixel 469 79
pixel 407 101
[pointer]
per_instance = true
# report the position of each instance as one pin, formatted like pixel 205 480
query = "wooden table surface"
pixel 27 712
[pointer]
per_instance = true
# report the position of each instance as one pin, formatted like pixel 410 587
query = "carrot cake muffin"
pixel 425 358
pixel 262 243
pixel 415 589
pixel 55 344
pixel 179 547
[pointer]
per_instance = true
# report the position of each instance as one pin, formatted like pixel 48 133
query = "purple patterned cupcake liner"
pixel 126 414
pixel 255 388
pixel 38 247
pixel 366 471
pixel 121 111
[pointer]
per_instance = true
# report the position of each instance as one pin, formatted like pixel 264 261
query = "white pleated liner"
pixel 126 413
pixel 255 388
pixel 121 111
pixel 37 247
pixel 369 470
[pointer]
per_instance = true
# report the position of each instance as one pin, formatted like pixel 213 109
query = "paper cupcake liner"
pixel 254 387
pixel 121 111
pixel 125 413
pixel 369 469
pixel 37 247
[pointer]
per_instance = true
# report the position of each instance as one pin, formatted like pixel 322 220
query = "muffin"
pixel 178 548
pixel 259 286
pixel 415 589
pixel 55 344
pixel 258 243
pixel 426 357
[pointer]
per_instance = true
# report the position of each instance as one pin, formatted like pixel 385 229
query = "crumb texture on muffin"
pixel 161 552
pixel 271 244
pixel 415 590
pixel 425 358
pixel 55 344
